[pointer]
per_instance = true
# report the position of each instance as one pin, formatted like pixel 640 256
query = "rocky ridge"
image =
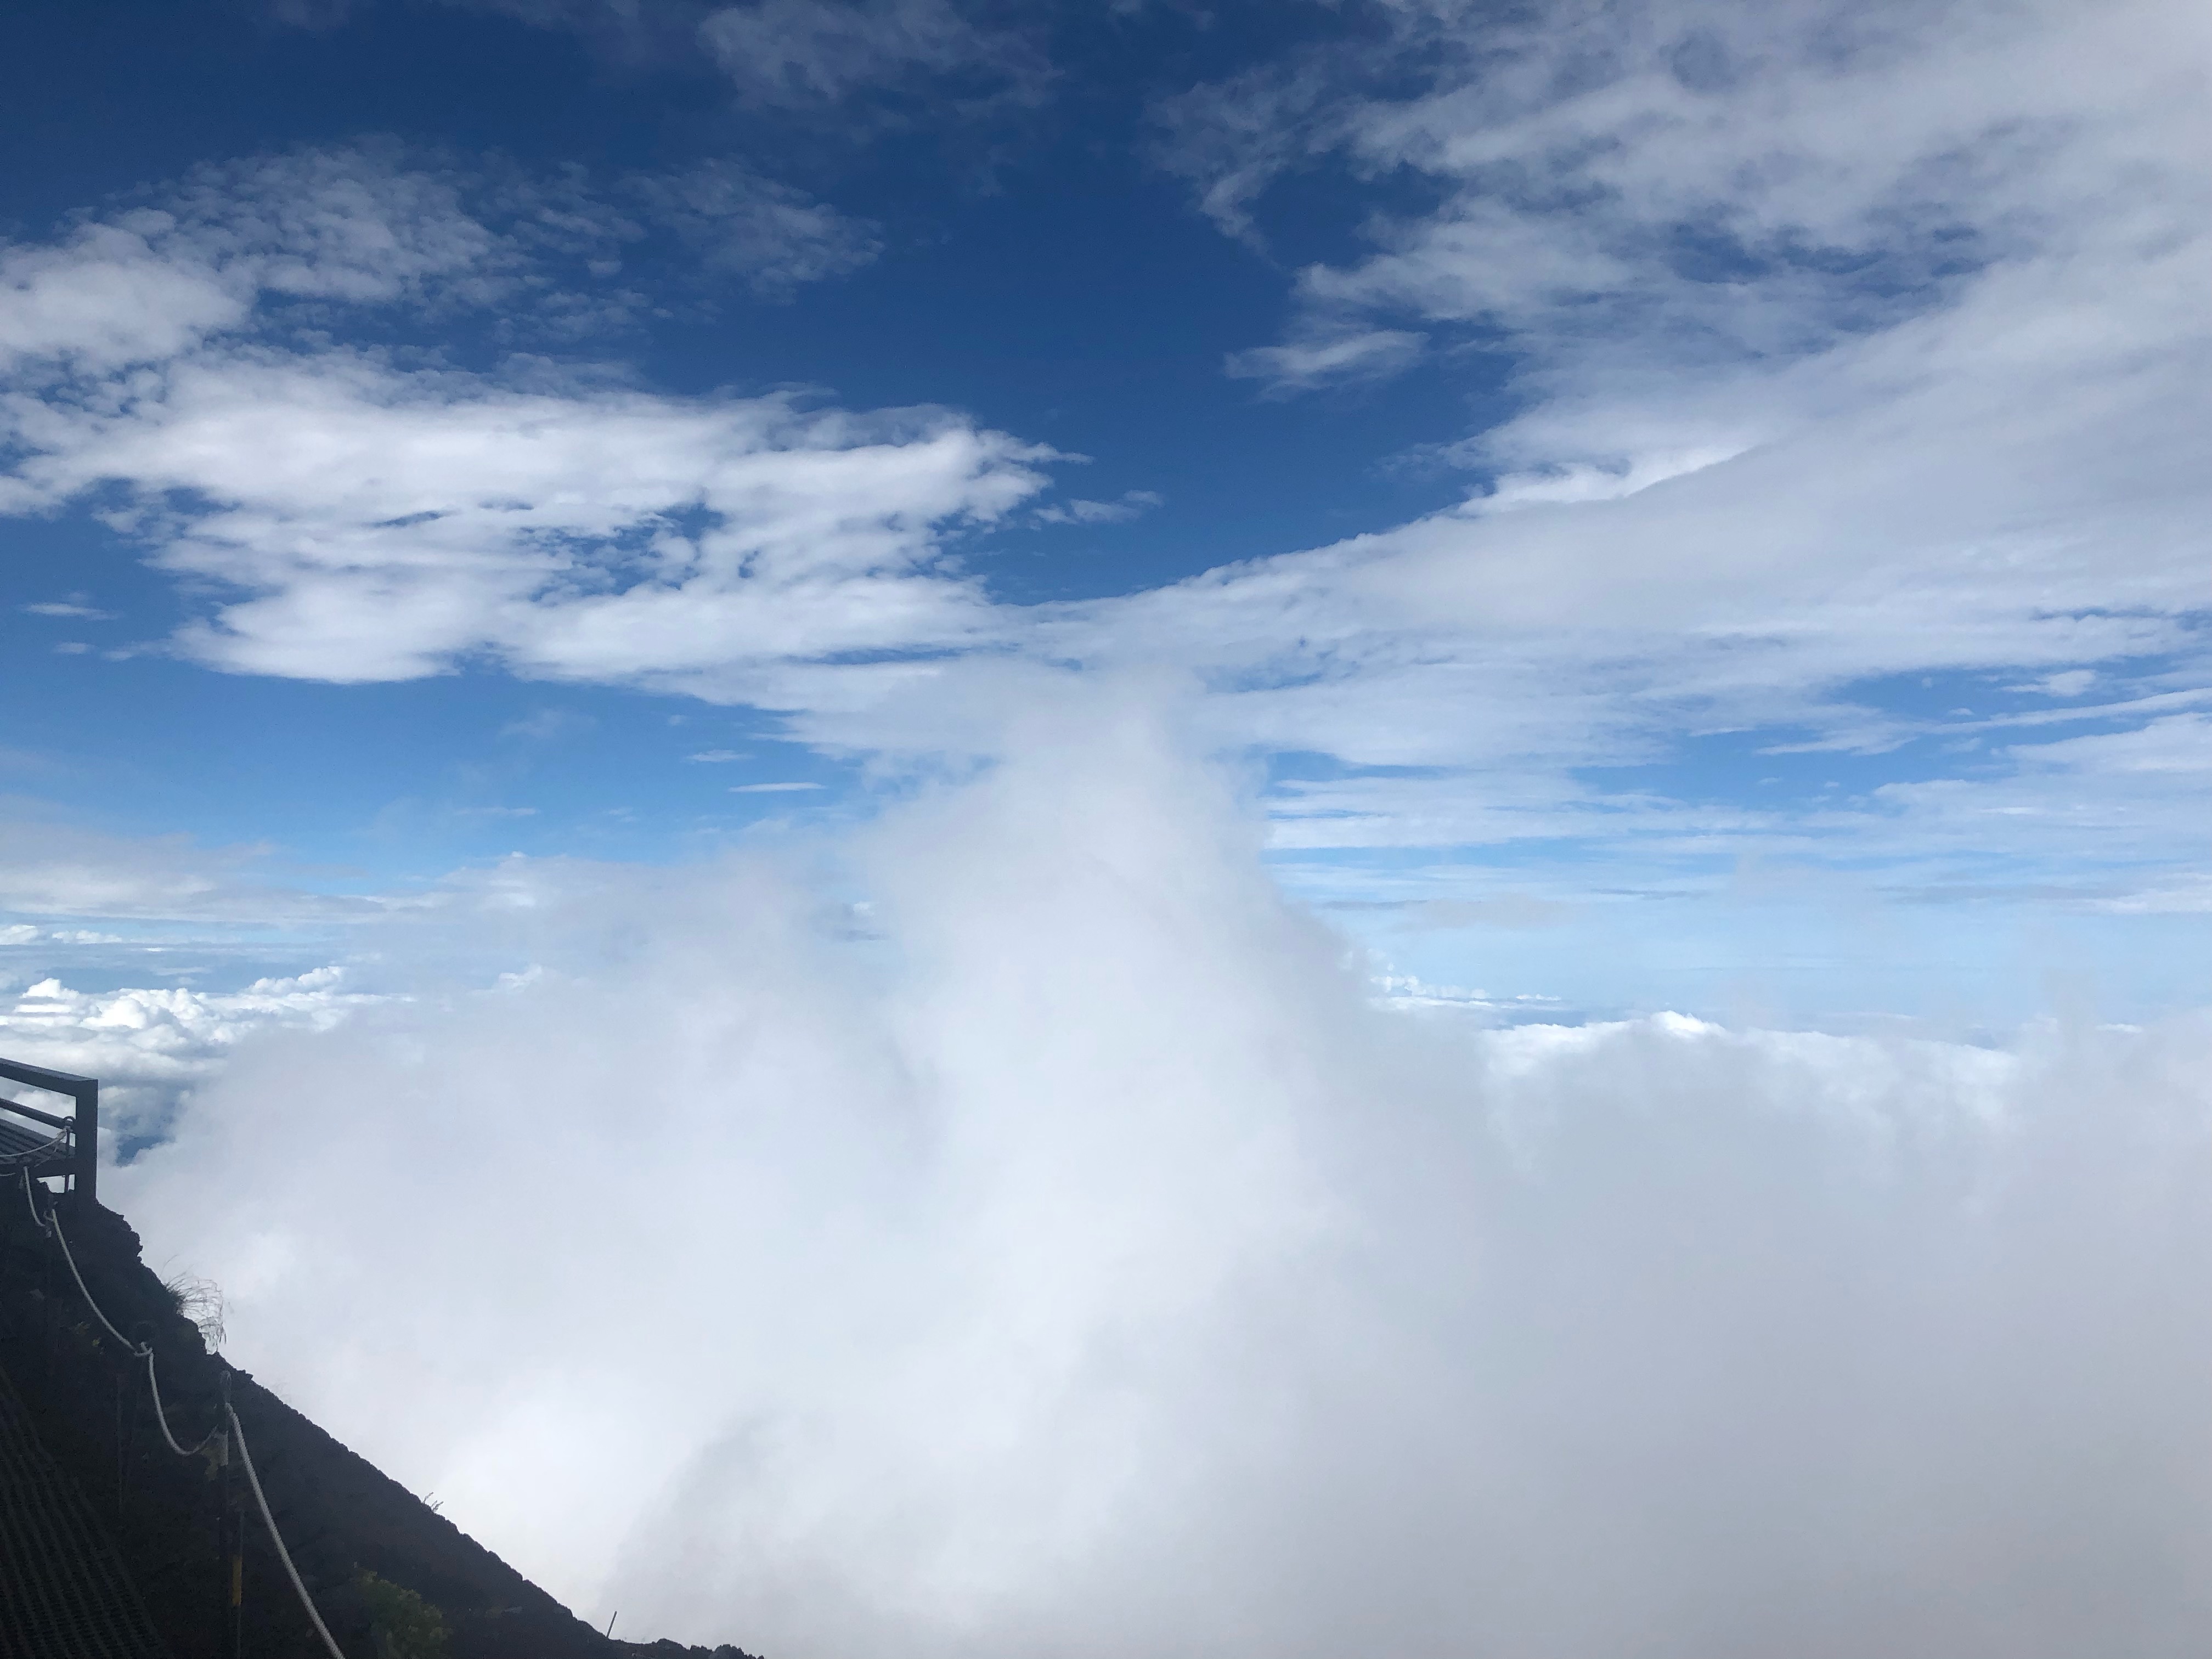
pixel 351 1530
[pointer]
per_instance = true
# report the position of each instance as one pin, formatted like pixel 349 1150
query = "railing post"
pixel 85 1139
pixel 84 1166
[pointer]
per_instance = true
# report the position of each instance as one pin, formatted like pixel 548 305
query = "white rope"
pixel 51 1223
pixel 269 1520
pixel 54 1226
pixel 30 1203
pixel 161 1417
pixel 25 1157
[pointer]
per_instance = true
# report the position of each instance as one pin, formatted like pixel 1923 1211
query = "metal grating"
pixel 63 1592
pixel 19 1140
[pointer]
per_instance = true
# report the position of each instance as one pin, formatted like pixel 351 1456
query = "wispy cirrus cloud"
pixel 795 57
pixel 772 237
pixel 260 244
pixel 1694 180
pixel 53 867
pixel 801 53
pixel 1842 345
pixel 1130 504
pixel 1930 416
pixel 1327 358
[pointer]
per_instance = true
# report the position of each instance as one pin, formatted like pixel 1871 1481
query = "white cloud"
pixel 773 236
pixel 1923 408
pixel 379 524
pixel 1131 504
pixel 794 54
pixel 148 1046
pixel 1083 1264
pixel 1993 483
pixel 1678 177
pixel 770 789
pixel 24 934
pixel 298 237
pixel 2103 807
pixel 1746 497
pixel 53 867
pixel 548 726
pixel 1506 910
pixel 106 297
pixel 152 282
pixel 1582 481
pixel 372 521
pixel 2071 683
pixel 1910 290
pixel 1327 359
pixel 2186 894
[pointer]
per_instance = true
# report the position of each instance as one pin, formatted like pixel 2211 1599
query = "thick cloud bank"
pixel 1021 1234
pixel 147 1045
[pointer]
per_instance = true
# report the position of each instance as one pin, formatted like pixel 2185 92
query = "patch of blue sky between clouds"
pixel 1747 453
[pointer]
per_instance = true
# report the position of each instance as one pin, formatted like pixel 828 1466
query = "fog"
pixel 1013 1229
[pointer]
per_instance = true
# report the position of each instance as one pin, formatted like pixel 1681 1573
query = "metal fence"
pixel 46 1143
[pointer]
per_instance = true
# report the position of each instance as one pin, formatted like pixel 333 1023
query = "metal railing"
pixel 73 1151
pixel 73 1148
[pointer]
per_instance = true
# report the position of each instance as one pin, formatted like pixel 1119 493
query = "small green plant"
pixel 404 1625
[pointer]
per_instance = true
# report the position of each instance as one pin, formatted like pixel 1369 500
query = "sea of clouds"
pixel 1013 1229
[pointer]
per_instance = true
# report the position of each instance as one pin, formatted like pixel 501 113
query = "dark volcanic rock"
pixel 339 1515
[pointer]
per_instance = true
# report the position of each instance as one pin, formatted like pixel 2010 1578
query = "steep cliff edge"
pixel 85 1398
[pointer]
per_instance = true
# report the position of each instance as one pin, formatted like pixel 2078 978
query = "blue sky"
pixel 1666 505
pixel 1292 811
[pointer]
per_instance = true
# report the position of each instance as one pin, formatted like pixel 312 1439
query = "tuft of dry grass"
pixel 199 1300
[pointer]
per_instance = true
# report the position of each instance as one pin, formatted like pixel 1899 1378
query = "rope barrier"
pixel 29 1203
pixel 54 1228
pixel 24 1158
pixel 51 1225
pixel 161 1416
pixel 246 1458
